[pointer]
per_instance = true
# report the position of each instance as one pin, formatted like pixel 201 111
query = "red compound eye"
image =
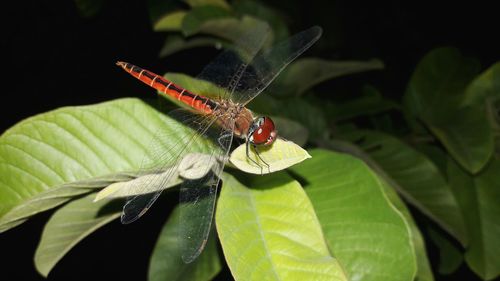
pixel 263 131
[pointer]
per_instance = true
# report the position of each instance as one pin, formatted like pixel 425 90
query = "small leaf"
pixel 479 198
pixel 270 232
pixel 365 231
pixel 151 182
pixel 260 11
pixel 227 28
pixel 194 20
pixel 305 73
pixel 166 262
pixel 175 43
pixel 217 3
pixel 68 226
pixel 170 22
pixel 279 156
pixel 486 85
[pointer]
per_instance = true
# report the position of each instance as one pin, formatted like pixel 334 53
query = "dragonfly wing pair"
pixel 241 74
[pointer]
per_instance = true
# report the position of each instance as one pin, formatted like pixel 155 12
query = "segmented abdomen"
pixel 165 86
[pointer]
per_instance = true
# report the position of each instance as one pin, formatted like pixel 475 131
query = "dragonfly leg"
pixel 265 163
pixel 248 156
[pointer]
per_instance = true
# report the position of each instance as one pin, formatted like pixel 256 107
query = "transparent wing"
pixel 197 202
pixel 244 73
pixel 267 66
pixel 226 69
pixel 171 143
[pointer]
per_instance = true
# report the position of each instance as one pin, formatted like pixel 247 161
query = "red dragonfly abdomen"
pixel 165 86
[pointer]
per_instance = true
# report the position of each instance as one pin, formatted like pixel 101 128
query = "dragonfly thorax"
pixel 262 131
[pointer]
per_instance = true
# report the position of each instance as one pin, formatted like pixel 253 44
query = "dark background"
pixel 53 58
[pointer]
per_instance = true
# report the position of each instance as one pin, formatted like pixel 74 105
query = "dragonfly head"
pixel 262 131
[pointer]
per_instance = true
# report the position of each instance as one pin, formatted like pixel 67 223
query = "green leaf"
pixel 192 22
pixel 415 177
pixel 467 136
pixel 78 144
pixel 435 95
pixel 176 43
pixel 305 73
pixel 279 156
pixel 170 22
pixel 260 11
pixel 479 198
pixel 166 262
pixel 309 115
pixel 217 3
pixel 436 87
pixel 370 103
pixel 227 28
pixel 54 197
pixel 270 232
pixel 365 231
pixel 450 257
pixel 159 8
pixel 486 85
pixel 68 226
pixel 424 271
pixel 191 166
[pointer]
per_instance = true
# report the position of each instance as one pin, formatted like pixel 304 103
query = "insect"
pixel 239 75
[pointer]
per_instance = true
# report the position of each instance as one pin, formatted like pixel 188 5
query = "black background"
pixel 53 58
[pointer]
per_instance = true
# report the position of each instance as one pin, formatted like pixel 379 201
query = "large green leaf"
pixel 436 87
pixel 424 272
pixel 365 231
pixel 166 262
pixel 269 231
pixel 80 144
pixel 479 198
pixel 435 95
pixel 68 226
pixel 415 177
pixel 305 73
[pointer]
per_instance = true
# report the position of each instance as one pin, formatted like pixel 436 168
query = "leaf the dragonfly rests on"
pixel 192 166
pixel 281 155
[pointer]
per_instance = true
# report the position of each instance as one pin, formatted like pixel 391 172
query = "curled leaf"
pixel 281 155
pixel 192 166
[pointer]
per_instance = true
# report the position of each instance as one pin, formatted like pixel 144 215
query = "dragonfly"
pixel 240 74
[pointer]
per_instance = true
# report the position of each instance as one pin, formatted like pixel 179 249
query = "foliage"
pixel 341 215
